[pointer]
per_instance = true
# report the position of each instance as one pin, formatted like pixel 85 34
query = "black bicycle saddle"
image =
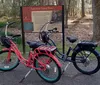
pixel 72 39
pixel 34 44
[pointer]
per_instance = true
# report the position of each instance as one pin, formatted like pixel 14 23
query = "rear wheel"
pixel 52 71
pixel 6 65
pixel 86 61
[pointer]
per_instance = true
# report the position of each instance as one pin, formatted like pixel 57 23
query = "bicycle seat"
pixel 34 44
pixel 72 39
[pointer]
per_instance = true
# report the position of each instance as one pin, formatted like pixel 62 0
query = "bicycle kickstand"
pixel 26 75
pixel 66 67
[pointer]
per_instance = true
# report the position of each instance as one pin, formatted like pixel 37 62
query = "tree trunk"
pixel 66 9
pixel 96 19
pixel 83 8
pixel 2 1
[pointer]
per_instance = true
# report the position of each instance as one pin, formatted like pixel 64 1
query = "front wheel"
pixel 52 71
pixel 5 64
pixel 86 61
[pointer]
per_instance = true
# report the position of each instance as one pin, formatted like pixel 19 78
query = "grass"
pixel 98 49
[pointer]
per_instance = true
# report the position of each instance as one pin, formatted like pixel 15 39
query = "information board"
pixel 34 17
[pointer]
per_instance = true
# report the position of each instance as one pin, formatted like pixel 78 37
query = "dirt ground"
pixel 81 28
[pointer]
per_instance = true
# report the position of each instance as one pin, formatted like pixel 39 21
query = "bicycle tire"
pixel 54 78
pixel 94 54
pixel 7 66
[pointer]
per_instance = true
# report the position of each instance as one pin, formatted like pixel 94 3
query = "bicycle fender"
pixel 77 48
pixel 48 50
pixel 52 56
pixel 57 61
pixel 81 47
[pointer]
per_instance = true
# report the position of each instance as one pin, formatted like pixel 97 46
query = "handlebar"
pixel 10 23
pixel 18 35
pixel 45 33
pixel 54 30
pixel 7 25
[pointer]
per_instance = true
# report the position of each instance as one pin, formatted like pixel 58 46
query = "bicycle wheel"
pixel 8 65
pixel 86 61
pixel 52 73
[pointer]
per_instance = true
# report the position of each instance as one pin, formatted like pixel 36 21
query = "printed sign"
pixel 34 17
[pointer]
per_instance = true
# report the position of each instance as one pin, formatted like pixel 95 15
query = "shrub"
pixel 2 24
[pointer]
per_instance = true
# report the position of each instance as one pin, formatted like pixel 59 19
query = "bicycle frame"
pixel 32 55
pixel 61 54
pixel 65 57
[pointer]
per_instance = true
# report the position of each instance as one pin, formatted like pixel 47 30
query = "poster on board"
pixel 34 17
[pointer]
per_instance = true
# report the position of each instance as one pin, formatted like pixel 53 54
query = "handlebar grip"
pixel 53 30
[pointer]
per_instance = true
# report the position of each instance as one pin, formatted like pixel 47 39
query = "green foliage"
pixel 98 48
pixel 31 3
pixel 18 40
pixel 2 24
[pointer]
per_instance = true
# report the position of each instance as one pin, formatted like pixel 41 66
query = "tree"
pixel 66 10
pixel 96 19
pixel 83 8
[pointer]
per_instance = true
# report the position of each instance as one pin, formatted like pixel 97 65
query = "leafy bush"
pixel 18 40
pixel 2 24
